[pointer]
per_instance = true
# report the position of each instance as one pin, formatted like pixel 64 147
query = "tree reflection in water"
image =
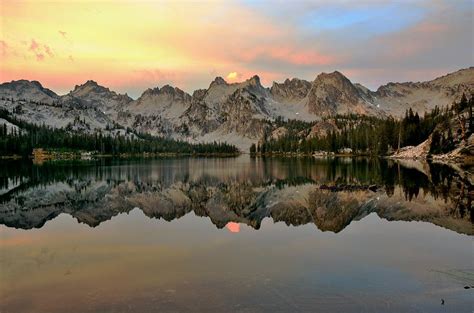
pixel 330 193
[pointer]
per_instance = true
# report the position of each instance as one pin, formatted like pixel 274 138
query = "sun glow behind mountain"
pixel 232 75
pixel 131 45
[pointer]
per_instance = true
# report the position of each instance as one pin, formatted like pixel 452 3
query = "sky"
pixel 130 46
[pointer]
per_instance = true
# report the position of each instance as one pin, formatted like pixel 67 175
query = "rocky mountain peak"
pixel 224 108
pixel 333 93
pixel 170 90
pixel 26 84
pixel 27 90
pixel 218 81
pixel 167 102
pixel 290 90
pixel 254 86
pixel 88 87
pixel 91 94
pixel 150 91
pixel 166 90
pixel 335 77
pixel 254 81
pixel 91 83
pixel 335 81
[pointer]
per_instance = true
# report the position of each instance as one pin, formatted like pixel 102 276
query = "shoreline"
pixel 61 156
pixel 429 158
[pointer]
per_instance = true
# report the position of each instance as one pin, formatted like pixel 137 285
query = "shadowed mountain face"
pixel 329 193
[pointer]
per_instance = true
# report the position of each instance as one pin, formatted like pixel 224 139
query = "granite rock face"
pixel 235 112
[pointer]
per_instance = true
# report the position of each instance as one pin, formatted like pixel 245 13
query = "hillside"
pixel 443 134
pixel 238 112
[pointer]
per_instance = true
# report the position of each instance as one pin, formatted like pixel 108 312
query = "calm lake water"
pixel 236 235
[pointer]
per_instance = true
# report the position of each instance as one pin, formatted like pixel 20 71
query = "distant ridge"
pixel 234 112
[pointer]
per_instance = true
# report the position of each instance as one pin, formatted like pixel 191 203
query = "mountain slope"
pixel 225 111
pixel 29 101
pixel 396 98
pixel 94 95
pixel 27 90
pixel 334 93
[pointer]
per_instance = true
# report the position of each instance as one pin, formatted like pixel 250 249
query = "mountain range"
pixel 237 113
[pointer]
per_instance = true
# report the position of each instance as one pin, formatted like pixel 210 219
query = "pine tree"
pixel 253 149
pixel 462 104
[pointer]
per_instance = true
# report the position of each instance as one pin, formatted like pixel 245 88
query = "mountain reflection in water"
pixel 330 193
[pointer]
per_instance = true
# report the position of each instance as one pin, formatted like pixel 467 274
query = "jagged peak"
pixel 170 89
pixel 291 89
pixel 333 75
pixel 199 93
pixel 254 81
pixel 336 79
pixel 218 81
pixel 151 91
pixel 91 82
pixel 92 88
pixel 288 81
pixel 166 89
pixel 90 85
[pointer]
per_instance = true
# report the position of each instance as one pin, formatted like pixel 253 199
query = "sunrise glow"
pixel 130 45
pixel 232 75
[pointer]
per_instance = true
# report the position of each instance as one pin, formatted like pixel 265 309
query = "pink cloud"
pixel 48 51
pixel 413 41
pixel 288 54
pixel 430 27
pixel 33 45
pixel 3 48
pixel 40 50
pixel 302 57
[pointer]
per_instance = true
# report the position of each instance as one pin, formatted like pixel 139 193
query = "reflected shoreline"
pixel 330 193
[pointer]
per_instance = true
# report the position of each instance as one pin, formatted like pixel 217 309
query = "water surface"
pixel 235 235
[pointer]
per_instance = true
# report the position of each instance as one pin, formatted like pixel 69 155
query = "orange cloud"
pixel 185 41
pixel 288 55
pixel 165 36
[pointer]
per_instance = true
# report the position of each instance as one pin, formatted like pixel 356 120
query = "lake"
pixel 236 235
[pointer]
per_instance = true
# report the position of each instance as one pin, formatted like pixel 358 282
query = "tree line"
pixel 29 136
pixel 371 135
